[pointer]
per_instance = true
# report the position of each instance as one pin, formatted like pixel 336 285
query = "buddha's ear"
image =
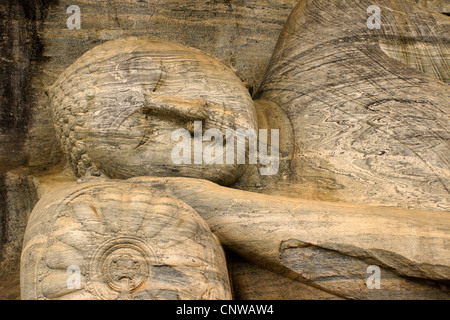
pixel 271 116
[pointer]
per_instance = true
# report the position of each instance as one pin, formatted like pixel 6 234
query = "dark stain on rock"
pixel 3 212
pixel 20 50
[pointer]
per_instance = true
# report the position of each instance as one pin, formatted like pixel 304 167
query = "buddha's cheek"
pixel 143 151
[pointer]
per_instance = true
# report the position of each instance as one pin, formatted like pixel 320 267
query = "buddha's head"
pixel 116 109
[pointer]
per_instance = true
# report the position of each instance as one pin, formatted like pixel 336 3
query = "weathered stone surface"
pixel 368 129
pixel 37 47
pixel 293 237
pixel 21 50
pixel 17 199
pixel 442 6
pixel 18 196
pixel 250 282
pixel 127 242
pixel 241 34
pixel 363 119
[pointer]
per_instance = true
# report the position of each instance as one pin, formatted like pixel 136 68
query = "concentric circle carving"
pixel 121 266
pixel 122 241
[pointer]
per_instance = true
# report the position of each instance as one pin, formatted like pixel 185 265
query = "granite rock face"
pixel 37 46
pixel 369 108
pixel 364 156
pixel 240 34
pixel 441 6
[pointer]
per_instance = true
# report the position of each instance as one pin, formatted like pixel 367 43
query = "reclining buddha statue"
pixel 360 124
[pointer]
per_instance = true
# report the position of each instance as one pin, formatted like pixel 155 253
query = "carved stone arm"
pixel 329 244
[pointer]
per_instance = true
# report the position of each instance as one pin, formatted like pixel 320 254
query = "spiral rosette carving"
pixel 122 266
pixel 126 241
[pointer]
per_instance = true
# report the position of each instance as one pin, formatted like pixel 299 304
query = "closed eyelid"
pixel 185 108
pixel 189 110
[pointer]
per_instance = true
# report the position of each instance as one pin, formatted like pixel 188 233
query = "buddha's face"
pixel 117 107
